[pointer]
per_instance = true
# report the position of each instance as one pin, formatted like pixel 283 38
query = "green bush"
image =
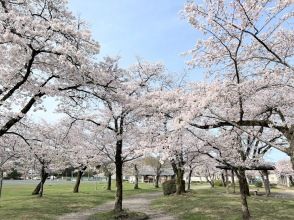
pixel 218 183
pixel 258 184
pixel 14 174
pixel 169 187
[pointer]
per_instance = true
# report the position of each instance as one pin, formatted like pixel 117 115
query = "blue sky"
pixel 150 29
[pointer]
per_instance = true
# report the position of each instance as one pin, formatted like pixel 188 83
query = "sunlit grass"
pixel 18 203
pixel 205 203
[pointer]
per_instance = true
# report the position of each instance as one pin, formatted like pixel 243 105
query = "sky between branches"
pixel 148 29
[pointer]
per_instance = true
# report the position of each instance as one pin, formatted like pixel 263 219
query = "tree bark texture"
pixel 243 192
pixel 136 186
pixel 189 179
pixel 1 182
pixel 109 181
pixel 266 183
pixel 40 187
pixel 119 180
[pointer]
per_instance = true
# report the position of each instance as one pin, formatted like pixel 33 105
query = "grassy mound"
pixel 124 215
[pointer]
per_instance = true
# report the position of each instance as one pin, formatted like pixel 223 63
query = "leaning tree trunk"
pixel 40 187
pixel 246 186
pixel 266 183
pixel 1 182
pixel 109 181
pixel 242 184
pixel 79 177
pixel 211 182
pixel 189 179
pixel 119 180
pixel 136 186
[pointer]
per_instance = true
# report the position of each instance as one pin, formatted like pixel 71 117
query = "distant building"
pixel 149 176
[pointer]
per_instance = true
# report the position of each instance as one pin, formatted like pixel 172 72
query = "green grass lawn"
pixel 18 203
pixel 205 203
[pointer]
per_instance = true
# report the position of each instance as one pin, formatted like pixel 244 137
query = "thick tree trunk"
pixel 179 172
pixel 109 182
pixel 223 180
pixel 40 187
pixel 78 181
pixel 227 181
pixel 180 182
pixel 246 187
pixel 1 182
pixel 292 160
pixel 119 180
pixel 233 181
pixel 157 180
pixel 189 179
pixel 291 180
pixel 136 186
pixel 243 185
pixel 266 183
pixel 290 138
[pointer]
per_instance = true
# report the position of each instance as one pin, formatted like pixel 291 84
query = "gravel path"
pixel 140 203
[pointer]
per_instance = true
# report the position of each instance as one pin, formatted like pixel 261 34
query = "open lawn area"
pixel 18 203
pixel 206 203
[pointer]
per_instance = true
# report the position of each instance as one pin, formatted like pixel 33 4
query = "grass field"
pixel 206 204
pixel 18 203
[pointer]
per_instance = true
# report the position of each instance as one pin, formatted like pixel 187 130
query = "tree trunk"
pixel 40 187
pixel 223 180
pixel 247 192
pixel 1 182
pixel 157 180
pixel 119 181
pixel 242 175
pixel 78 181
pixel 109 181
pixel 189 179
pixel 266 183
pixel 211 182
pixel 243 185
pixel 233 181
pixel 290 151
pixel 291 180
pixel 227 181
pixel 180 182
pixel 136 186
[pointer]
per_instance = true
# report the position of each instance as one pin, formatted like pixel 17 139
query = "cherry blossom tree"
pixel 207 167
pixel 10 151
pixel 81 152
pixel 247 46
pixel 283 167
pixel 117 111
pixel 44 50
pixel 235 150
pixel 44 152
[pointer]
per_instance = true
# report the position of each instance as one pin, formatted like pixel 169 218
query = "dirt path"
pixel 140 203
